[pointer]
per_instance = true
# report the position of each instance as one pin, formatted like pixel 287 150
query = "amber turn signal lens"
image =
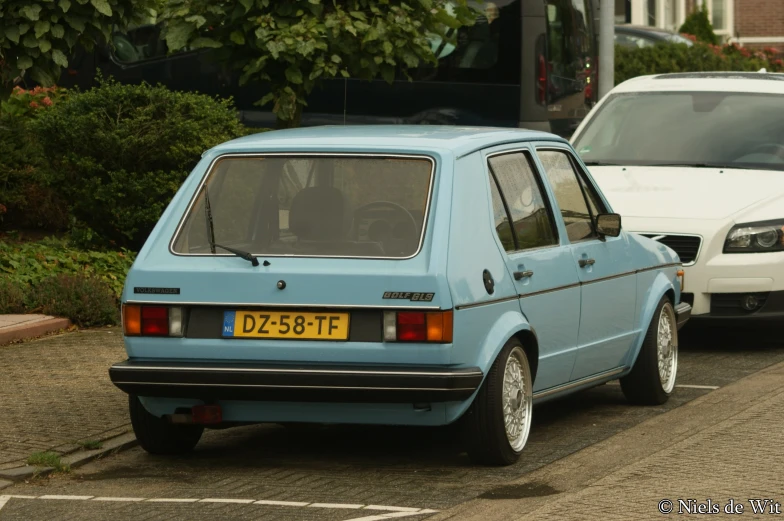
pixel 439 327
pixel 132 319
pixel 681 276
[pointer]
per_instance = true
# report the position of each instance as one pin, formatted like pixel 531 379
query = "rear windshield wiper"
pixel 211 234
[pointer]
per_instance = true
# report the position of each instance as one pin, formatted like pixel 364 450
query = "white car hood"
pixel 685 192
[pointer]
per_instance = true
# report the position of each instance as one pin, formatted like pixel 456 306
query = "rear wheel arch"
pixel 530 342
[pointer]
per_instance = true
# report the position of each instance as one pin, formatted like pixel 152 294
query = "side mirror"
pixel 608 224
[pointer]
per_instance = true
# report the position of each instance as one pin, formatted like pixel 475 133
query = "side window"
pixel 140 44
pixel 570 45
pixel 523 203
pixel 486 52
pixel 501 218
pixel 570 192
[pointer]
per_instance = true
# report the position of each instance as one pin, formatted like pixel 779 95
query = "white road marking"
pixel 219 500
pixel 391 511
pixel 335 505
pixel 171 500
pixel 282 503
pixel 391 515
pixel 72 498
pixel 122 499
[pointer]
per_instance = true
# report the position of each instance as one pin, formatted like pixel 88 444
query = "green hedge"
pixel 667 58
pixel 118 153
pixel 26 200
pixel 52 277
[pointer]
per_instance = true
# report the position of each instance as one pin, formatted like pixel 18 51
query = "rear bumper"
pixel 682 313
pixel 274 382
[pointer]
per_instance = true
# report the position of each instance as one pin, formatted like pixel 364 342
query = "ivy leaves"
pixel 37 37
pixel 293 46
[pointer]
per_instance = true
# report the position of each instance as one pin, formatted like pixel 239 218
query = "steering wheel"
pixel 779 149
pixel 385 204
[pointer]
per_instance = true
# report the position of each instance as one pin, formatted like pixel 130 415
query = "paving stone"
pixel 56 392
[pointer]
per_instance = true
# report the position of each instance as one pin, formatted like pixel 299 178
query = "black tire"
pixel 643 385
pixel 484 427
pixel 157 436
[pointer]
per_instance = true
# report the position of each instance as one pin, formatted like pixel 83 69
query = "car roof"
pixel 353 138
pixel 637 29
pixel 752 82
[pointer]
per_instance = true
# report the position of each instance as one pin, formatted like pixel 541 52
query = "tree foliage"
pixel 38 36
pixel 698 24
pixel 293 45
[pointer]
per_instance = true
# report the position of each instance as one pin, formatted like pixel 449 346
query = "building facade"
pixel 750 23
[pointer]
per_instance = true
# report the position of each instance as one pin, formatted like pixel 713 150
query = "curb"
pixel 33 330
pixel 77 459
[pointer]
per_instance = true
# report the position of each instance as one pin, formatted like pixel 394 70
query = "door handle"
pixel 586 262
pixel 522 274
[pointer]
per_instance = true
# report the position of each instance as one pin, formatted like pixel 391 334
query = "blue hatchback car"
pixel 407 275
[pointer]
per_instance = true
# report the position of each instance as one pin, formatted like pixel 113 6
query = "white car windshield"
pixel 700 129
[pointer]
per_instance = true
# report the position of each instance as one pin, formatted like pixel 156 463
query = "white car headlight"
pixel 756 237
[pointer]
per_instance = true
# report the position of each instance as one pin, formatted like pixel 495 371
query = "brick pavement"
pixel 56 391
pixel 723 446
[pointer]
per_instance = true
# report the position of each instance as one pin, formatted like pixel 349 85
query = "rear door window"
pixel 312 206
pixel 521 202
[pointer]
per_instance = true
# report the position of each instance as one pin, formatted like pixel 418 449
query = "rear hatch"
pixel 307 247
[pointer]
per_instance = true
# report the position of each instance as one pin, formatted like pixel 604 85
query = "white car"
pixel 696 161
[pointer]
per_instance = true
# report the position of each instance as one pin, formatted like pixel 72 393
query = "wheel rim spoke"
pixel 516 402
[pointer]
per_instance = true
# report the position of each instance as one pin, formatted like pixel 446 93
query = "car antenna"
pixel 211 233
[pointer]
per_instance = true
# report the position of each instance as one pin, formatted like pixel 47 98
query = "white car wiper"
pixel 211 234
pixel 697 165
pixel 602 163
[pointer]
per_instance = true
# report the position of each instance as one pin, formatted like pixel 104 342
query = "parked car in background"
pixel 525 63
pixel 391 275
pixel 639 36
pixel 696 161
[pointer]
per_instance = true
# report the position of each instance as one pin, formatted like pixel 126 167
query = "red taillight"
pixel 411 327
pixel 155 321
pixel 418 326
pixel 542 81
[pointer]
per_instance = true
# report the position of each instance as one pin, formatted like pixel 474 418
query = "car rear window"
pixel 323 206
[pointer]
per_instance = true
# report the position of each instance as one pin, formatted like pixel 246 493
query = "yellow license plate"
pixel 285 324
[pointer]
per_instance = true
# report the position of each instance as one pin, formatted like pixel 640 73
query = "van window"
pixel 139 44
pixel 312 206
pixel 570 46
pixel 487 52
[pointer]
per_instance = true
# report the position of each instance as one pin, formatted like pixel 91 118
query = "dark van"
pixel 525 63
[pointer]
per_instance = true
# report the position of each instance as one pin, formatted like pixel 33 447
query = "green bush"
pixel 698 24
pixel 52 277
pixel 667 58
pixel 85 300
pixel 26 201
pixel 12 296
pixel 31 263
pixel 118 153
